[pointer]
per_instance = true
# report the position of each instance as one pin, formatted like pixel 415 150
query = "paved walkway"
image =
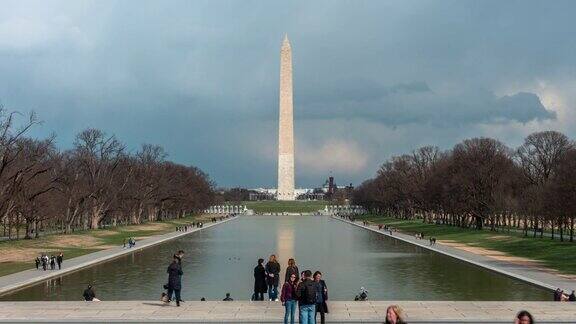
pixel 530 274
pixel 28 277
pixel 273 312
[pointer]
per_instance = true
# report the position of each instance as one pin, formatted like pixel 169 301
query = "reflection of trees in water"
pixel 221 260
pixel 414 273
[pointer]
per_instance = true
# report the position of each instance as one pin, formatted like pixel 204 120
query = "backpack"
pixel 308 294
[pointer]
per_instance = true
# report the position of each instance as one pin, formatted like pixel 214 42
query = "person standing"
pixel 59 260
pixel 44 261
pixel 52 262
pixel 292 269
pixel 321 297
pixel 288 298
pixel 572 296
pixel 273 274
pixel 179 255
pixel 306 293
pixel 175 280
pixel 259 281
pixel 37 261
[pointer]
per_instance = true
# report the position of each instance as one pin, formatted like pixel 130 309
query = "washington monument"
pixel 286 126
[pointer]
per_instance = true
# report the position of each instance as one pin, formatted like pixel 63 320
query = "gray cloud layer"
pixel 371 78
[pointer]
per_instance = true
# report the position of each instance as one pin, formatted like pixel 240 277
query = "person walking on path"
pixel 394 315
pixel 44 262
pixel 321 297
pixel 59 260
pixel 260 286
pixel 175 280
pixel 306 293
pixel 273 276
pixel 288 298
pixel 52 262
pixel 292 269
pixel 37 261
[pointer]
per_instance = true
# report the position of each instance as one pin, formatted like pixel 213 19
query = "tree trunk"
pixel 572 229
pixel 479 222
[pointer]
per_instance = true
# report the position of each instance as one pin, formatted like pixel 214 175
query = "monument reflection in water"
pixel 285 244
pixel 221 259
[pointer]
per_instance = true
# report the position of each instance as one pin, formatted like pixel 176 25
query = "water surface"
pixel 222 258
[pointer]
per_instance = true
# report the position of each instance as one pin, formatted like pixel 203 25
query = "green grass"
pixel 7 268
pixel 550 253
pixel 296 206
pixel 104 237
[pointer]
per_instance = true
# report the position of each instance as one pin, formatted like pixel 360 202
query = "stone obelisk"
pixel 286 126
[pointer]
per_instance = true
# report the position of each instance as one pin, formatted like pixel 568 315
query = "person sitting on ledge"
pixel 89 294
pixel 523 317
pixel 228 298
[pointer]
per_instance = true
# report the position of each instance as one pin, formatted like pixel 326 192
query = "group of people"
pixel 384 227
pixel 188 227
pixel 131 242
pixel 304 289
pixel 560 295
pixel 44 260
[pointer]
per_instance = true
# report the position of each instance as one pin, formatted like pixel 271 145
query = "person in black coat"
pixel 321 297
pixel 175 280
pixel 89 294
pixel 273 277
pixel 59 260
pixel 260 286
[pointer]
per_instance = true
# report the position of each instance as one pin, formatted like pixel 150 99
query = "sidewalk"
pixel 273 312
pixel 530 274
pixel 26 278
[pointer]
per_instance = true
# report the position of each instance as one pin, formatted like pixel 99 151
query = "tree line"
pixel 97 182
pixel 482 182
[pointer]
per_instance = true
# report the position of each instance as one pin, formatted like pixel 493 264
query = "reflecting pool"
pixel 222 258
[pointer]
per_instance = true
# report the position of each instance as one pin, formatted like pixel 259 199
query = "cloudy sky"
pixel 371 78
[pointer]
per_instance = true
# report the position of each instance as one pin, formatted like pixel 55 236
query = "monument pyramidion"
pixel 286 126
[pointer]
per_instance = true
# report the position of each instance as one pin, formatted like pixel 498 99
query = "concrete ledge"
pixel 525 273
pixel 27 278
pixel 273 312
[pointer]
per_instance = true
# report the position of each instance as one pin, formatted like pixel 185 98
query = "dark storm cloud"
pixel 415 102
pixel 201 77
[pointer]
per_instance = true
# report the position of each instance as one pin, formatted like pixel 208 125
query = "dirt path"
pixel 502 256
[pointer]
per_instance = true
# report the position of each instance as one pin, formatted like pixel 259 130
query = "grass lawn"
pixel 296 206
pixel 550 253
pixel 19 255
